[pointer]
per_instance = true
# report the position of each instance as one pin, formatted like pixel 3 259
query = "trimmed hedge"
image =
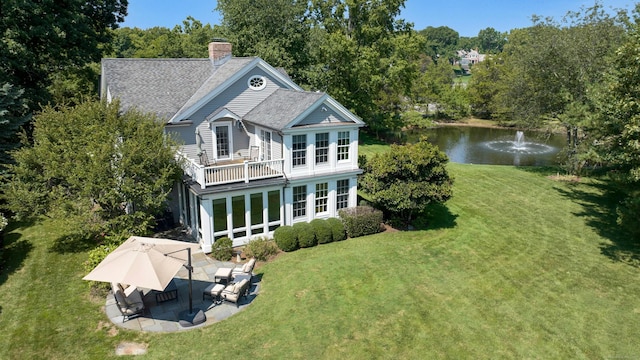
pixel 322 230
pixel 337 229
pixel 304 232
pixel 286 238
pixel 361 220
pixel 222 249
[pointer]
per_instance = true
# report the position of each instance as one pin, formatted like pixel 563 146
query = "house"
pixel 259 152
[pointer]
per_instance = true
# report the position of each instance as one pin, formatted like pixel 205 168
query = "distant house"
pixel 259 152
pixel 470 57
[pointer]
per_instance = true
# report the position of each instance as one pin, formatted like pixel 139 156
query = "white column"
pixel 206 218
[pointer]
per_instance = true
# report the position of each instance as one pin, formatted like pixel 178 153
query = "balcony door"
pixel 265 145
pixel 222 143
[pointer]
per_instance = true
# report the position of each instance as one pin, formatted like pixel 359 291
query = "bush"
pixel 337 229
pixel 286 238
pixel 222 249
pixel 361 220
pixel 322 230
pixel 306 237
pixel 95 258
pixel 260 248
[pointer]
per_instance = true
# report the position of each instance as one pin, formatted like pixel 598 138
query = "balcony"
pixel 232 171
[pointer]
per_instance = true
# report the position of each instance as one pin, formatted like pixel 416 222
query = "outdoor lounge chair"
pixel 246 269
pixel 234 292
pixel 129 301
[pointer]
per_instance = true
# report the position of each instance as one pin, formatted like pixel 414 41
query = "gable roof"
pixel 277 110
pixel 176 88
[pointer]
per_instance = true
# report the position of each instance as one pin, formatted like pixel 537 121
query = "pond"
pixel 479 145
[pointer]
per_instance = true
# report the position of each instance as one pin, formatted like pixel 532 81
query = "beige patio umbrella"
pixel 149 263
pixel 143 262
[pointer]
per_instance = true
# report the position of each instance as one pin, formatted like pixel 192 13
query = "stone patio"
pixel 164 317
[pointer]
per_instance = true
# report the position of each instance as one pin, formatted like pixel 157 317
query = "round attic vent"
pixel 257 82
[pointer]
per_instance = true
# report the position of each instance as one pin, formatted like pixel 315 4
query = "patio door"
pixel 265 145
pixel 222 138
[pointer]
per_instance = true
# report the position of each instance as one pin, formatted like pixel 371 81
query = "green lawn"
pixel 515 265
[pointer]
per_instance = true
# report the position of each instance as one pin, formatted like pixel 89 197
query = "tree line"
pixel 578 74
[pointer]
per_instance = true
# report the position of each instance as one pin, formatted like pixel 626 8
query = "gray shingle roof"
pixel 165 86
pixel 160 86
pixel 281 107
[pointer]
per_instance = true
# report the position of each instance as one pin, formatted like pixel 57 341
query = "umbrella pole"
pixel 191 318
pixel 190 268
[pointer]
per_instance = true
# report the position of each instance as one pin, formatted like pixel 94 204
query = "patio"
pixel 164 317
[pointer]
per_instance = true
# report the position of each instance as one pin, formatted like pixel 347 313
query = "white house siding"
pixel 238 97
pixel 324 114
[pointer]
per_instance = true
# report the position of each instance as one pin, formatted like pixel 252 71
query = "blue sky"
pixel 466 17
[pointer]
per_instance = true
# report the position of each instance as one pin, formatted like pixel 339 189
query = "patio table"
pixel 222 273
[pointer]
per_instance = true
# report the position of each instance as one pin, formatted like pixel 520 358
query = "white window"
pixel 299 155
pixel 322 197
pixel 322 148
pixel 299 201
pixel 342 194
pixel 257 82
pixel 343 145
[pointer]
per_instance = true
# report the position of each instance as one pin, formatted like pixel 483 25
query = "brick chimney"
pixel 218 50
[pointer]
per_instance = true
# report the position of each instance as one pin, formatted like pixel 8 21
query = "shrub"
pixel 222 249
pixel 337 229
pixel 286 238
pixel 261 249
pixel 304 232
pixel 361 220
pixel 96 256
pixel 322 230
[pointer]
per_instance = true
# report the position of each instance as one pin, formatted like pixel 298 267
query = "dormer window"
pixel 257 82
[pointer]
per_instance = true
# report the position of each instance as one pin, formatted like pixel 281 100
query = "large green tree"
pixel 39 40
pixel 614 130
pixel 365 57
pixel 406 179
pixel 275 30
pixel 442 42
pixel 103 170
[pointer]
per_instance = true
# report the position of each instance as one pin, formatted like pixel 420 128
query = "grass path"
pixel 514 266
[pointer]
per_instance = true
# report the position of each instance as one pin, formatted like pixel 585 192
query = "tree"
pixel 41 39
pixel 99 169
pixel 615 127
pixel 442 42
pixel 12 116
pixel 491 40
pixel 279 34
pixel 547 69
pixel 364 57
pixel 406 179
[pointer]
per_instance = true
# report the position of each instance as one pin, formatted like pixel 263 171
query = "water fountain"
pixel 519 146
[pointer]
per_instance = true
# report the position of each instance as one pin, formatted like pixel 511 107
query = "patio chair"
pixel 130 305
pixel 234 292
pixel 246 269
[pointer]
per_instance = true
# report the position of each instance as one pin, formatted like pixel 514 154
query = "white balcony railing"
pixel 231 173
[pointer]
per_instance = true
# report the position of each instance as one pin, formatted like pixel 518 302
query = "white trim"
pixel 258 77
